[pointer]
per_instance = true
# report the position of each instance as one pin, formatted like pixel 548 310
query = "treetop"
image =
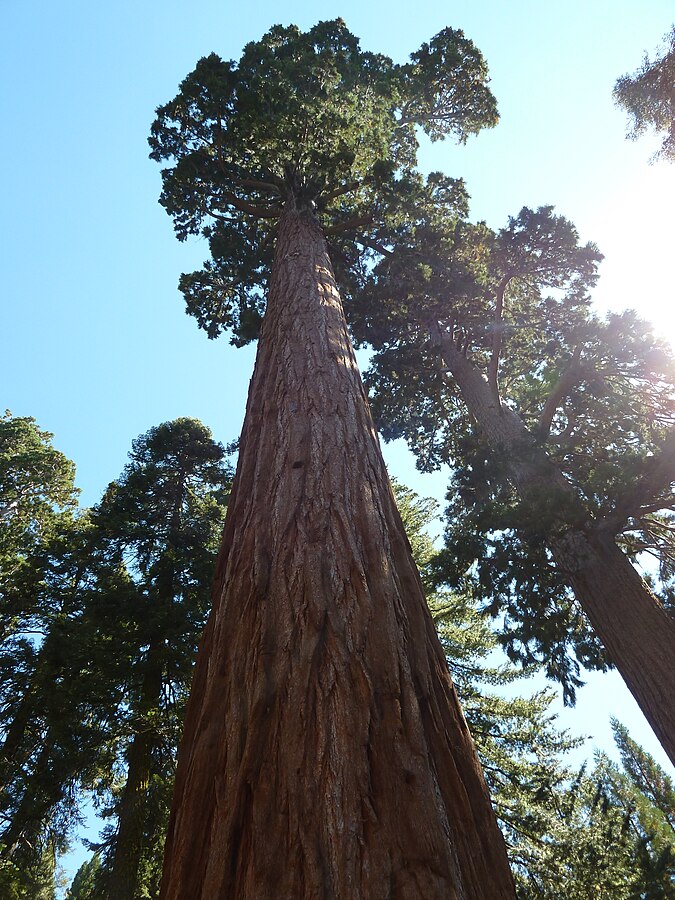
pixel 307 120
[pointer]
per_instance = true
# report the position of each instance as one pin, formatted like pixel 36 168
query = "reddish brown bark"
pixel 325 754
pixel 637 631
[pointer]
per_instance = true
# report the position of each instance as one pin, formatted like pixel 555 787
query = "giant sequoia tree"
pixel 559 427
pixel 325 753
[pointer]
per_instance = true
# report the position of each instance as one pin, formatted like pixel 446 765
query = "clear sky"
pixel 94 342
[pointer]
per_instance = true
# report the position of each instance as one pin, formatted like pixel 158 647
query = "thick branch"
pixel 658 477
pixel 377 246
pixel 497 332
pixel 325 199
pixel 565 383
pixel 349 225
pixel 256 185
pixel 261 212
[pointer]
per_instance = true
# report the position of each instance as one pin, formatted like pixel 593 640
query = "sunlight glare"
pixel 635 233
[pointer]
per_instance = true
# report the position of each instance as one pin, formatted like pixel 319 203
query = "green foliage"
pixel 648 96
pixel 595 398
pixel 45 749
pixel 160 523
pixel 37 494
pixel 308 120
pixel 31 878
pixel 107 596
pixel 652 790
pixel 84 886
pixel 616 841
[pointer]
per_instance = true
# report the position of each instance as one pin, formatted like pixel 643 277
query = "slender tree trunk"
pixel 325 754
pixel 638 633
pixel 123 882
pixel 636 630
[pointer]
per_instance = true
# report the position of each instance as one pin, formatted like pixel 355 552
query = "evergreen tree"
pixel 45 749
pixel 648 96
pixel 570 835
pixel 559 429
pixel 161 523
pixel 59 689
pixel 324 752
pixel 93 698
pixel 84 886
pixel 37 494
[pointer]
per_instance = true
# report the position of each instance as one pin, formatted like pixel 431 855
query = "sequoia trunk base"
pixel 325 753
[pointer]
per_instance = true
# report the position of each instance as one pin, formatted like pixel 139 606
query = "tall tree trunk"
pixel 637 631
pixel 123 881
pixel 325 754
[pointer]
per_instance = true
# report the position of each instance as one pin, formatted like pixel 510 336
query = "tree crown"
pixel 306 120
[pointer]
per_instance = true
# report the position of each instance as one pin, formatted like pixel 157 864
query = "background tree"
pixel 648 96
pixel 93 697
pixel 569 834
pixel 643 796
pixel 45 748
pixel 160 522
pixel 559 428
pixel 37 494
pixel 321 709
pixel 84 886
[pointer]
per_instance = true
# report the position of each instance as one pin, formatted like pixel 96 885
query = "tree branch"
pixel 565 383
pixel 260 212
pixel 377 246
pixel 324 199
pixel 254 184
pixel 659 475
pixel 497 332
pixel 349 225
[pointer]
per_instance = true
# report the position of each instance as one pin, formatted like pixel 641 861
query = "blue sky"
pixel 94 341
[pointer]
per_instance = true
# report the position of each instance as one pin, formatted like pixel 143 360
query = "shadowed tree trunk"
pixel 637 631
pixel 123 884
pixel 325 754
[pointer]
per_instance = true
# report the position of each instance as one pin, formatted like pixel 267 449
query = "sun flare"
pixel 635 233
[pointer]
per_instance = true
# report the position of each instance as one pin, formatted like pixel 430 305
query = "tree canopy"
pixel 108 608
pixel 312 120
pixel 555 422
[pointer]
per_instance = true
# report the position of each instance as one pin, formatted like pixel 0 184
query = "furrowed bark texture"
pixel 637 631
pixel 325 753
